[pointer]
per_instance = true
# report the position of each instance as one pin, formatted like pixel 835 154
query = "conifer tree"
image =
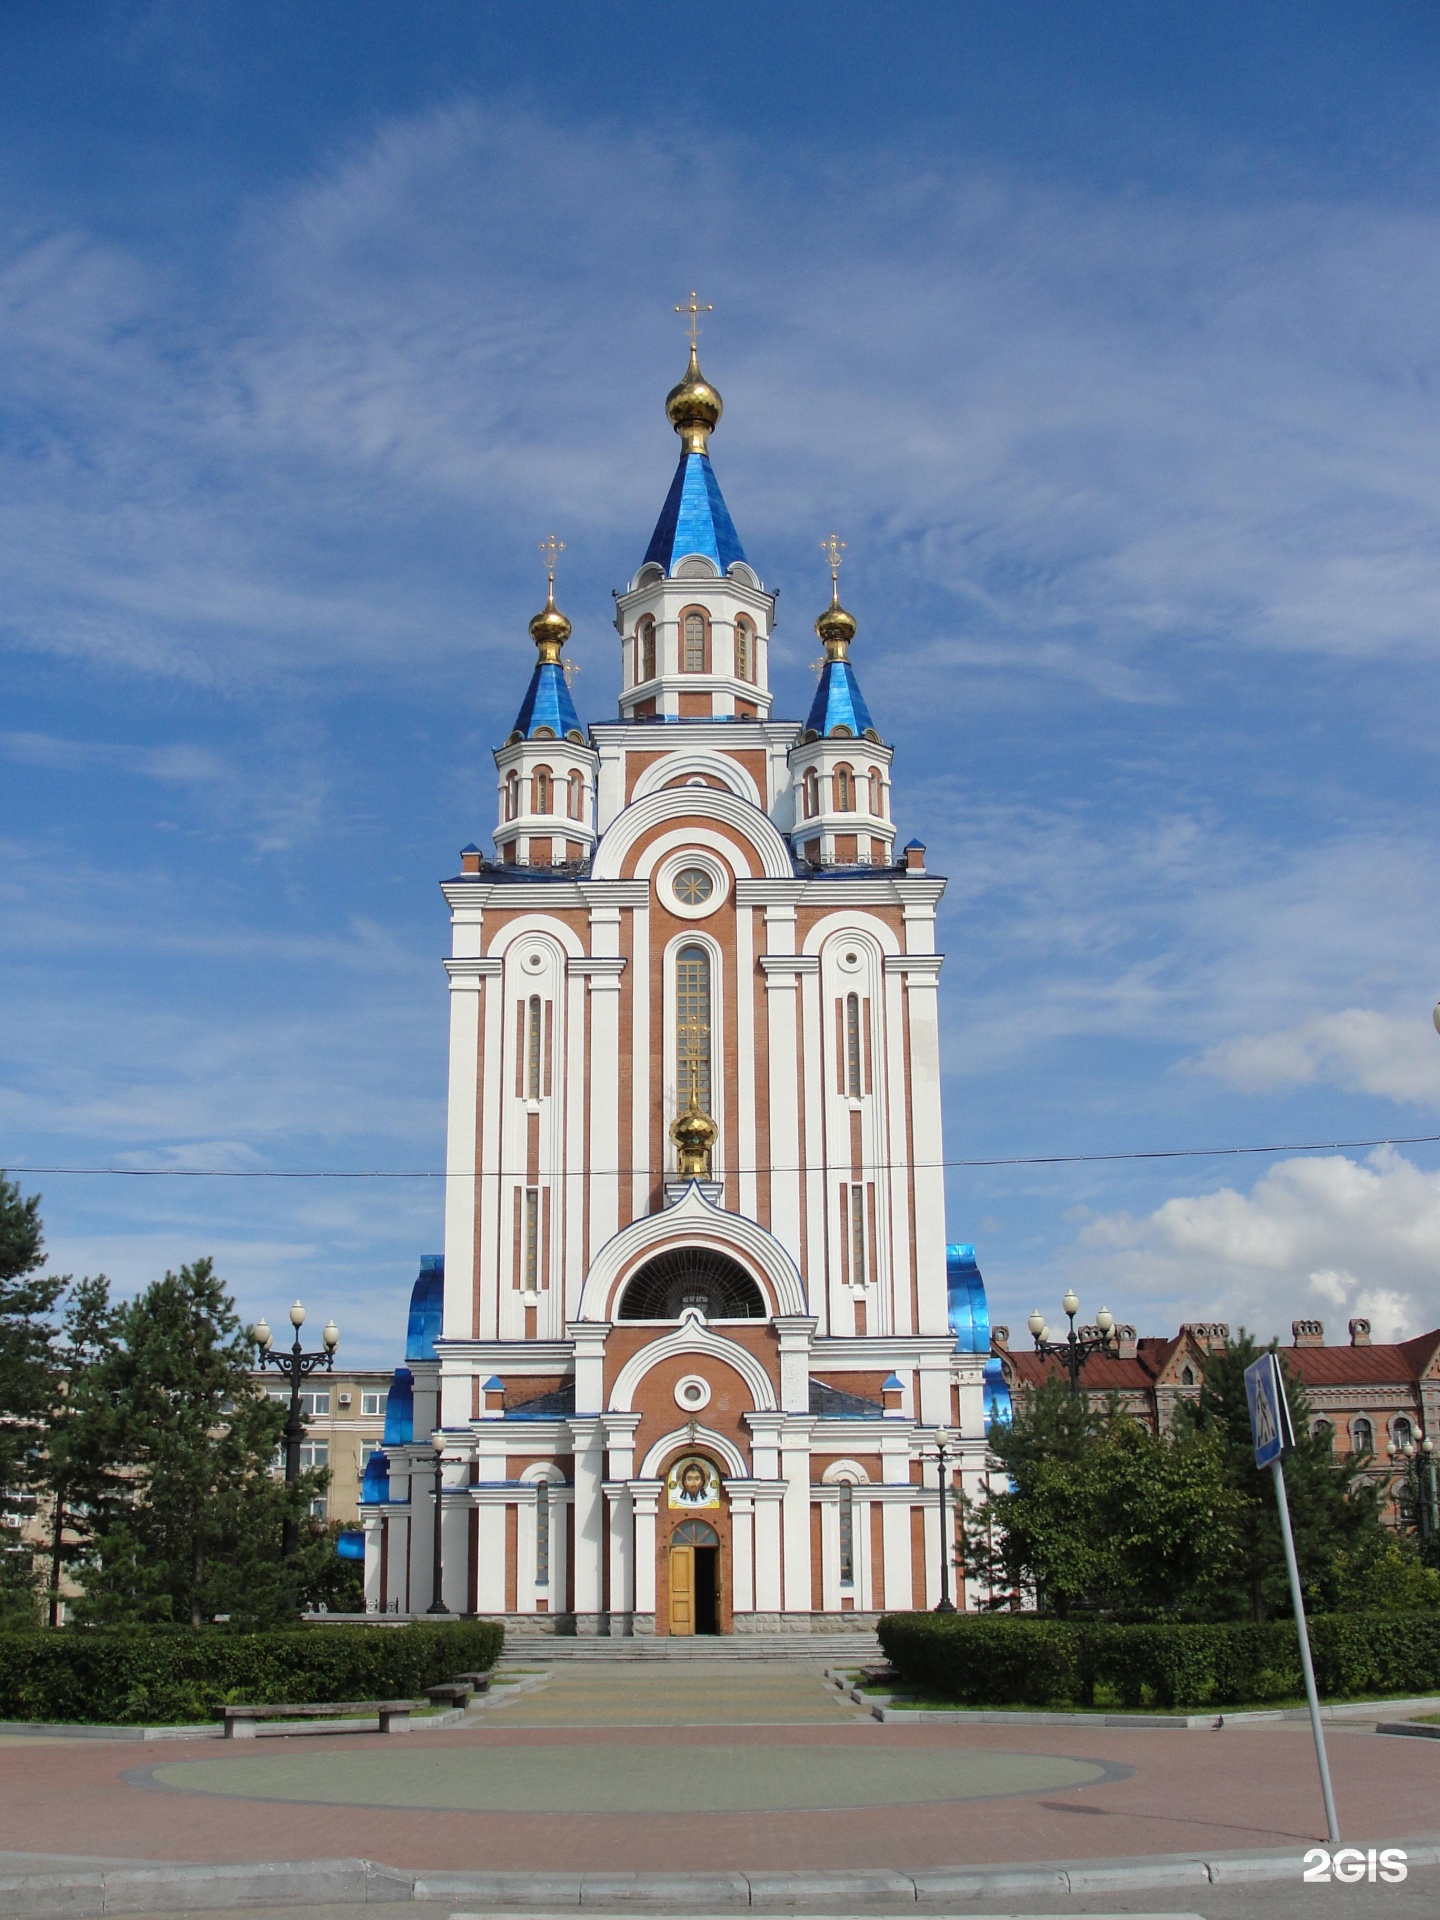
pixel 82 1439
pixel 27 1332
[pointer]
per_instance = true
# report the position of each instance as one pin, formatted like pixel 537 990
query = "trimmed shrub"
pixel 173 1674
pixel 1024 1660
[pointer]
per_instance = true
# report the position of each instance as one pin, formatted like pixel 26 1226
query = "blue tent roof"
pixel 969 1312
pixel 998 1408
pixel 427 1308
pixel 694 518
pixel 547 703
pixel 375 1486
pixel 839 702
pixel 400 1409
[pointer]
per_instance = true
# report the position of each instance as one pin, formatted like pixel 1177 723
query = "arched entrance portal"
pixel 694 1578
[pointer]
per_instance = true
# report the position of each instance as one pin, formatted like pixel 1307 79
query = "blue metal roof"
pixel 998 1408
pixel 547 703
pixel 839 702
pixel 400 1410
pixel 694 518
pixel 427 1308
pixel 969 1312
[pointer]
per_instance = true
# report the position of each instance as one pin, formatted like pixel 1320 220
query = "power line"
pixel 634 1173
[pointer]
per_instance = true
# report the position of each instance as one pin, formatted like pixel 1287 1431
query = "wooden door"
pixel 682 1590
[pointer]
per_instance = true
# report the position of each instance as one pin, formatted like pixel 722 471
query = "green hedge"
pixel 171 1674
pixel 1020 1660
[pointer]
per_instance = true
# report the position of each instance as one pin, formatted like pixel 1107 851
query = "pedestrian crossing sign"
pixel 1270 1426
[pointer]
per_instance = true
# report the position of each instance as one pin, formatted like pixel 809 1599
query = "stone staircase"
pixel 529 1649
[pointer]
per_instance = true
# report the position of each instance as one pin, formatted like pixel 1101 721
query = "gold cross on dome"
pixel 833 549
pixel 694 310
pixel 550 551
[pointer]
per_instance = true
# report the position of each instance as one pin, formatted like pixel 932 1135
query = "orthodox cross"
pixel 833 549
pixel 550 551
pixel 694 310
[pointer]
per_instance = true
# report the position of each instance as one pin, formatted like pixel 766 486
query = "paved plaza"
pixel 725 1765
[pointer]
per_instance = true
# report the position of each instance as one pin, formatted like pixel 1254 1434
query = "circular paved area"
pixel 625 1778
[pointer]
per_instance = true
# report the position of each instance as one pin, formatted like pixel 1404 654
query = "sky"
pixel 1105 338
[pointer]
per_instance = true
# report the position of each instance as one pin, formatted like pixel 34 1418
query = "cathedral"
pixel 696 1355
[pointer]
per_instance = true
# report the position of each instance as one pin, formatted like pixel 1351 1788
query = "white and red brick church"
pixel 696 1327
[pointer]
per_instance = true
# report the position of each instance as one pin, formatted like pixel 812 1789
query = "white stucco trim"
pixel 690 1337
pixel 682 765
pixel 693 1221
pixel 642 816
pixel 734 1462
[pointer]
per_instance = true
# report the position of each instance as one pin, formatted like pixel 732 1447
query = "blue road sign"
pixel 1269 1411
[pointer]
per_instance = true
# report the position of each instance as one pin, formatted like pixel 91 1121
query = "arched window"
pixel 577 796
pixel 877 794
pixel 844 790
pixel 852 1045
pixel 1324 1431
pixel 541 798
pixel 1362 1436
pixel 744 649
pixel 646 661
pixel 542 1534
pixel 1402 1435
pixel 1187 1376
pixel 532 1048
pixel 812 795
pixel 512 797
pixel 847 1533
pixel 692 1026
pixel 694 656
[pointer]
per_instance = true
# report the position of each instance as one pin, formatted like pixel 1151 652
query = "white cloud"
pixel 184 765
pixel 1395 1055
pixel 1357 1238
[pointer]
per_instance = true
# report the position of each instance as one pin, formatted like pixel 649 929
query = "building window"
pixel 1187 1376
pixel 847 1534
pixel 512 797
pixel 577 796
pixel 372 1404
pixel 1402 1435
pixel 542 1534
pixel 744 649
pixel 647 650
pixel 532 1049
pixel 1324 1431
pixel 312 1402
pixel 812 795
pixel 692 1026
pixel 844 790
pixel 314 1455
pixel 532 1239
pixel 694 643
pixel 877 794
pixel 852 1045
pixel 857 1236
pixel 1362 1436
pixel 542 790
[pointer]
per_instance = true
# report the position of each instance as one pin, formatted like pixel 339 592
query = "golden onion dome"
pixel 549 630
pixel 694 1134
pixel 694 407
pixel 836 627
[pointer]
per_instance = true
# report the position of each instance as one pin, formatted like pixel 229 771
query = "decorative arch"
pixel 643 816
pixel 675 767
pixel 856 926
pixel 706 1440
pixel 840 1471
pixel 692 1336
pixel 692 1219
pixel 696 639
pixel 531 924
pixel 545 1470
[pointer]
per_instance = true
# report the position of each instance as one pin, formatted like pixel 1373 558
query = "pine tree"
pixel 82 1439
pixel 200 1532
pixel 27 1299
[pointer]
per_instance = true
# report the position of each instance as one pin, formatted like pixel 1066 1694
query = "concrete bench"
pixel 242 1723
pixel 453 1693
pixel 477 1682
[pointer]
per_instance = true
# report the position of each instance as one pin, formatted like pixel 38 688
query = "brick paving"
pixel 1237 1788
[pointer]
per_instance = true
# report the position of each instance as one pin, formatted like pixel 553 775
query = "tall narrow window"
pixel 812 795
pixel 744 649
pixel 512 797
pixel 577 796
pixel 877 794
pixel 542 790
pixel 847 1534
pixel 1362 1436
pixel 532 1049
pixel 694 643
pixel 852 1045
pixel 542 1534
pixel 692 1026
pixel 857 1236
pixel 647 650
pixel 532 1239
pixel 844 791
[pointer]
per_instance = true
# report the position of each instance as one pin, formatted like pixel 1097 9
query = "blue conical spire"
pixel 694 518
pixel 839 705
pixel 547 704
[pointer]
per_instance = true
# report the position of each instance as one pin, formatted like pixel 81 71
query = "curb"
pixel 1409 1728
pixel 165 1888
pixel 212 1730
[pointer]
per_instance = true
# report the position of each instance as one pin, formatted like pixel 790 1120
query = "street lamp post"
pixel 1419 1461
pixel 437 1572
pixel 1076 1348
pixel 296 1365
pixel 942 1453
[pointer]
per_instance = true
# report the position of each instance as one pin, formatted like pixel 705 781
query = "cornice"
pixel 920 964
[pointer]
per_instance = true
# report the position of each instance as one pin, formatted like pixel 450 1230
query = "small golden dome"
pixel 694 407
pixel 836 627
pixel 549 630
pixel 694 1134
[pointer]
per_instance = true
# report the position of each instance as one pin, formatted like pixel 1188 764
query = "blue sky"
pixel 1105 336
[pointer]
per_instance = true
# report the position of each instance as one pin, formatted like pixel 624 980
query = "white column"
pixel 467 973
pixel 620 1539
pixel 588 1440
pixel 492 1504
pixel 455 1539
pixel 830 1547
pixel 769 1499
pixel 645 1500
pixel 895 1461
pixel 742 1549
pixel 372 1524
pixel 921 982
pixel 795 1466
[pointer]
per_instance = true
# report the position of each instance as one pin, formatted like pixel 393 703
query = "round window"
pixel 692 1393
pixel 693 886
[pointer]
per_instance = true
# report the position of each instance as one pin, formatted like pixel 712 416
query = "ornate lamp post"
pixel 1418 1463
pixel 943 1450
pixel 296 1365
pixel 1076 1348
pixel 437 1571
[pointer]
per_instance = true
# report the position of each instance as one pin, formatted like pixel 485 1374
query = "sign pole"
pixel 1332 1825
